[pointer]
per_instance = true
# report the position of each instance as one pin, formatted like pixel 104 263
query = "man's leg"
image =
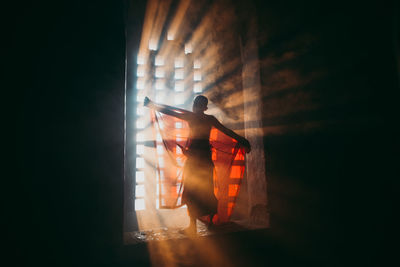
pixel 192 225
pixel 192 229
pixel 211 223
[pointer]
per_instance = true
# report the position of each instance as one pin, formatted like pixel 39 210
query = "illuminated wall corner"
pixel 255 171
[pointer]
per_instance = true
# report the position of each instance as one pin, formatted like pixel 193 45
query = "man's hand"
pixel 147 101
pixel 246 144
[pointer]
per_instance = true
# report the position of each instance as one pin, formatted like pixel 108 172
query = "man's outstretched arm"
pixel 169 110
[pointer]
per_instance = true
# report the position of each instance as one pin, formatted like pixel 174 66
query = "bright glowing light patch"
pixel 153 45
pixel 179 161
pixel 170 36
pixel 163 191
pixel 139 149
pixel 178 138
pixel 160 150
pixel 179 100
pixel 139 204
pixel 158 190
pixel 159 85
pixel 139 177
pixel 178 125
pixel 139 163
pixel 140 111
pixel 140 60
pixel 179 74
pixel 197 64
pixel 159 98
pixel 139 124
pixel 158 137
pixel 140 98
pixel 140 84
pixel 178 150
pixel 159 73
pixel 188 48
pixel 157 203
pixel 178 62
pixel 197 88
pixel 161 162
pixel 139 137
pixel 197 75
pixel 179 86
pixel 140 71
pixel 139 190
pixel 159 61
pixel 161 175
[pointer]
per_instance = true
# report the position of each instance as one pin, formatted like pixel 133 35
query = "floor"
pixel 165 233
pixel 167 247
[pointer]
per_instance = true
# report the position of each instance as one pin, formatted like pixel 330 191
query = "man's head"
pixel 200 103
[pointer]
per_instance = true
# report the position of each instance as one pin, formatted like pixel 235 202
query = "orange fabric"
pixel 227 156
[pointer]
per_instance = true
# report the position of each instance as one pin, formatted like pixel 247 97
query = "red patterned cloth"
pixel 174 168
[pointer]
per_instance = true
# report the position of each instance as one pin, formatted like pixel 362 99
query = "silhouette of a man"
pixel 198 192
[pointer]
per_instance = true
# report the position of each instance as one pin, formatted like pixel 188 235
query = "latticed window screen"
pixel 155 79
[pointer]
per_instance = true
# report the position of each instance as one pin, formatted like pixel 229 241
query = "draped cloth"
pixel 208 175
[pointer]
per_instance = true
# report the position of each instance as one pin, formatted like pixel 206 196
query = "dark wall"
pixel 330 87
pixel 70 146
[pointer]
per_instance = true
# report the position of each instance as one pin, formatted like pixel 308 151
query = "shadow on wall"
pixel 328 74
